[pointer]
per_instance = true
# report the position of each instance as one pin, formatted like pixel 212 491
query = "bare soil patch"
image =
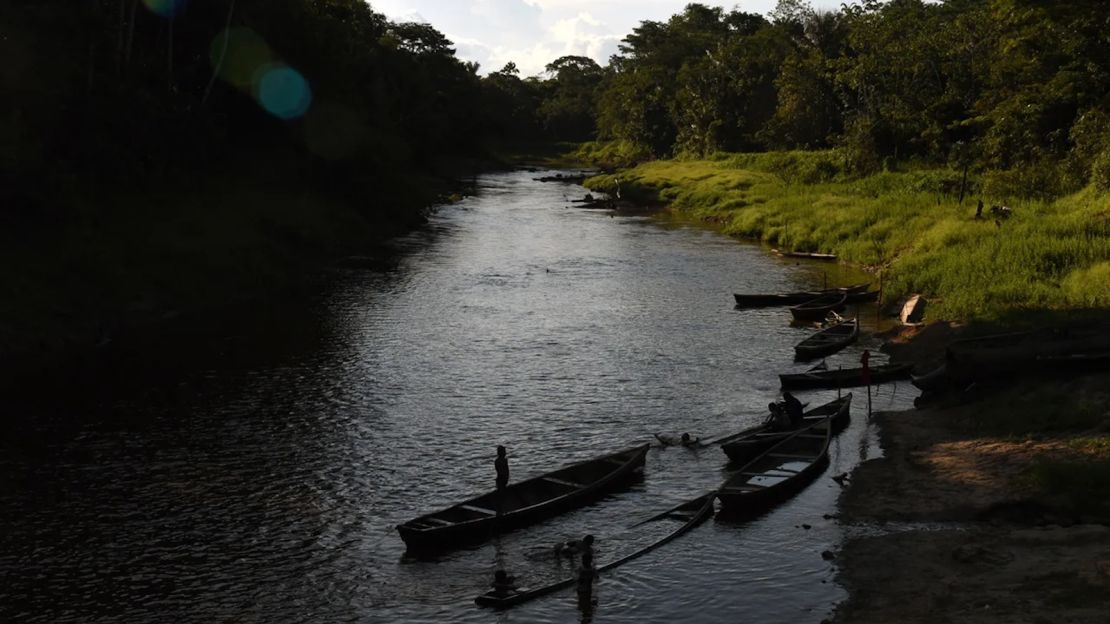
pixel 1005 551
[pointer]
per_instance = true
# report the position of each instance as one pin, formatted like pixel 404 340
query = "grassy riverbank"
pixel 1051 254
pixel 1021 471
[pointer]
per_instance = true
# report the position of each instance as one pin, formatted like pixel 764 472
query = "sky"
pixel 532 33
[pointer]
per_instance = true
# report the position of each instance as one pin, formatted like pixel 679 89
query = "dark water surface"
pixel 257 475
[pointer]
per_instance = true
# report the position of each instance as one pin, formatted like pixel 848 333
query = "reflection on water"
pixel 257 474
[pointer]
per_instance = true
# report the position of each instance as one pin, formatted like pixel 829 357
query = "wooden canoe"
pixel 778 472
pixel 1038 352
pixel 828 340
pixel 932 381
pixel 690 514
pixel 804 254
pixel 843 378
pixel 794 298
pixel 758 439
pixel 524 502
pixel 817 309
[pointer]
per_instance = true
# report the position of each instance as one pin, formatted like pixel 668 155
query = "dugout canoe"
pixel 857 293
pixel 524 502
pixel 828 340
pixel 778 472
pixel 756 440
pixel 843 378
pixel 817 309
pixel 804 254
pixel 689 514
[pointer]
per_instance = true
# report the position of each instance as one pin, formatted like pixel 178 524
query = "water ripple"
pixel 258 475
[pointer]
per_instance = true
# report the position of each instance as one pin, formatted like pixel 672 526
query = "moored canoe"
pixel 524 502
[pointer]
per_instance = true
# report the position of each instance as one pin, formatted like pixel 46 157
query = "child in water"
pixel 570 548
pixel 502 584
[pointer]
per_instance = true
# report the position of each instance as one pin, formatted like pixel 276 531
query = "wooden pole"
pixel 879 302
pixel 865 360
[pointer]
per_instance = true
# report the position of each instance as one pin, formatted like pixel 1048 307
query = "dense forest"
pixel 160 157
pixel 1020 88
pixel 131 91
pixel 135 91
pixel 225 140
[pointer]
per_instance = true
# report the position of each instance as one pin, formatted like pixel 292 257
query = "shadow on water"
pixel 254 467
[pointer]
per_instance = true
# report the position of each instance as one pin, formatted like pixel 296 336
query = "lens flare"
pixel 283 91
pixel 237 54
pixel 165 8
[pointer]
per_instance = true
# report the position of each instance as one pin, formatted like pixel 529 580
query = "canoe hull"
pixel 856 292
pixel 827 342
pixel 847 378
pixel 692 513
pixel 426 533
pixel 777 473
pixel 759 440
pixel 818 309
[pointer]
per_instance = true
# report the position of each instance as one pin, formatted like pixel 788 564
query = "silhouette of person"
pixel 793 409
pixel 573 547
pixel 501 465
pixel 586 573
pixel 502 584
pixel 780 420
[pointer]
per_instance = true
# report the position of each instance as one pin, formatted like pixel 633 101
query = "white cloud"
pixel 532 33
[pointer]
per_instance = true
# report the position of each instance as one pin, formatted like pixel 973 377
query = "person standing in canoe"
pixel 501 465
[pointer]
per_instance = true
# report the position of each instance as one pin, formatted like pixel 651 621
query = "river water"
pixel 255 473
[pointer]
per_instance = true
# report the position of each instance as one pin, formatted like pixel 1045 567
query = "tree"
pixel 569 108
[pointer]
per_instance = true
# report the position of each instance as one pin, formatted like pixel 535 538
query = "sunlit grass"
pixel 1048 255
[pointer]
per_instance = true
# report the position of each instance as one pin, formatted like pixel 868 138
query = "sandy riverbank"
pixel 960 524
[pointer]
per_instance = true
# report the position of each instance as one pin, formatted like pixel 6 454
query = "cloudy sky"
pixel 532 33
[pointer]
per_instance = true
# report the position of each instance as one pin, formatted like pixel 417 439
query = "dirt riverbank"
pixel 963 521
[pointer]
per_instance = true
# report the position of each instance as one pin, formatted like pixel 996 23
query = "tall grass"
pixel 1048 255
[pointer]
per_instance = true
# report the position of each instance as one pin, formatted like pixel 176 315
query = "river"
pixel 255 472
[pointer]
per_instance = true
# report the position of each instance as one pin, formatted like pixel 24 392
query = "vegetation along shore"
pixel 941 155
pixel 166 158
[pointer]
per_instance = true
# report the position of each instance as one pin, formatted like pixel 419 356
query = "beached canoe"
pixel 843 378
pixel 524 502
pixel 689 515
pixel 854 292
pixel 778 472
pixel 1039 352
pixel 934 380
pixel 828 340
pixel 804 254
pixel 756 440
pixel 819 308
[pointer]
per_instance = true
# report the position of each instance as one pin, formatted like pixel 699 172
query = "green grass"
pixel 1041 410
pixel 537 154
pixel 1081 488
pixel 1051 255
